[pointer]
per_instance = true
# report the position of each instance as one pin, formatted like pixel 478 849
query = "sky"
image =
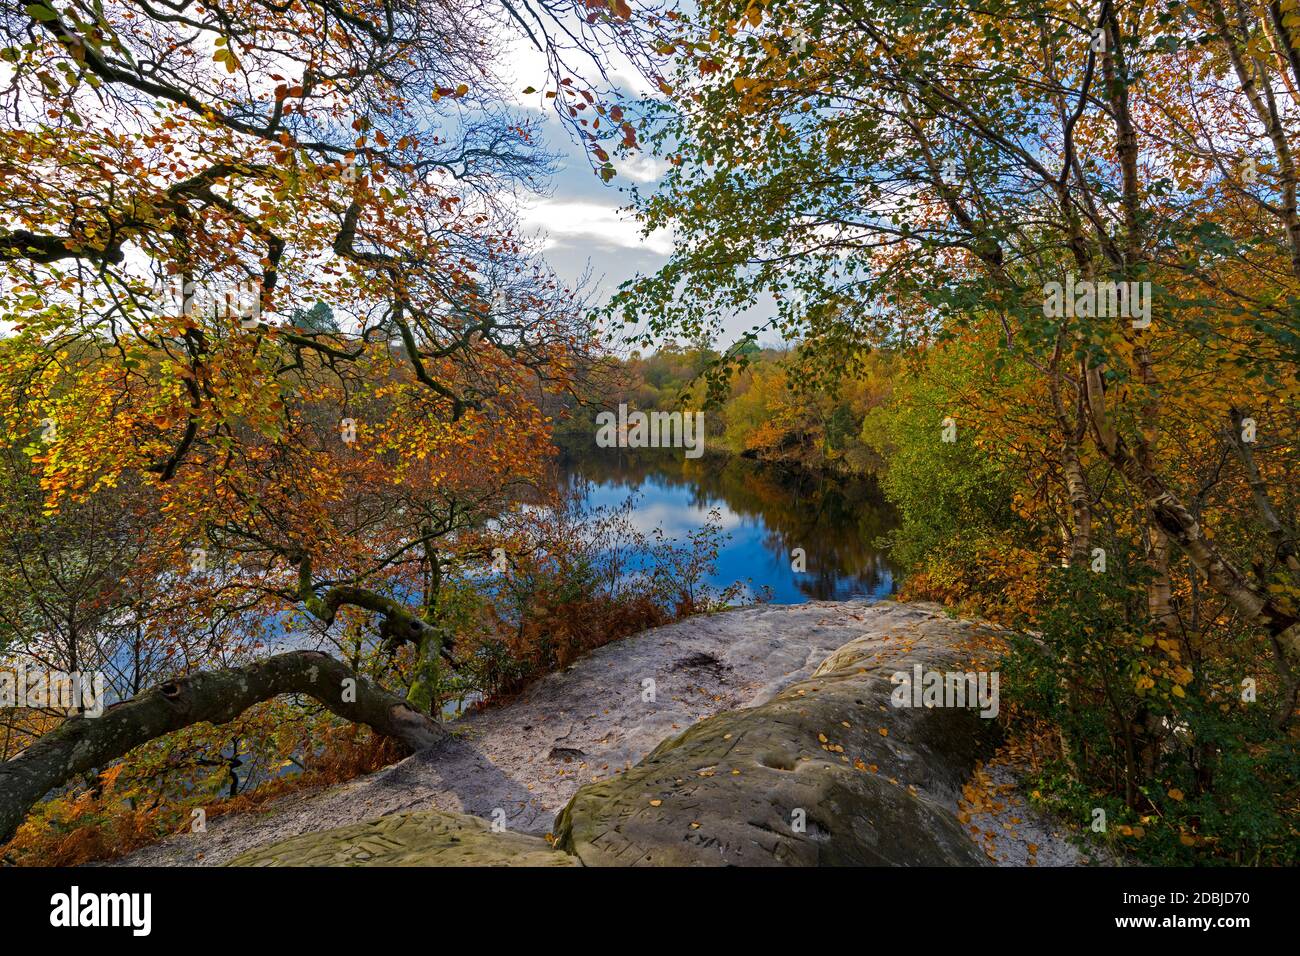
pixel 584 224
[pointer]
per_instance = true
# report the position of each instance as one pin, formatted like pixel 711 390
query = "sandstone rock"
pixel 820 769
pixel 871 783
pixel 426 838
pixel 522 755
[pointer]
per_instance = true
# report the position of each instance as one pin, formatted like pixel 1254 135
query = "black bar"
pixel 925 907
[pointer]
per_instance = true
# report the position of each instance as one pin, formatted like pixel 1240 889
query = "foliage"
pixel 1185 769
pixel 274 355
pixel 756 409
pixel 895 186
pixel 943 490
pixel 583 580
pixel 157 791
pixel 918 179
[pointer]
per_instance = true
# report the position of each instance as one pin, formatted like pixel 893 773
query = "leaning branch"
pixel 82 744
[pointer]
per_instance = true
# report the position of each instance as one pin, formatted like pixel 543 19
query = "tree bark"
pixel 83 743
pixel 1079 538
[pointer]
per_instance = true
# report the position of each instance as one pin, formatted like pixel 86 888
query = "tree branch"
pixel 82 744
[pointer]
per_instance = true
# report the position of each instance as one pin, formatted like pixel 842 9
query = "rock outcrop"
pixel 425 838
pixel 591 721
pixel 828 771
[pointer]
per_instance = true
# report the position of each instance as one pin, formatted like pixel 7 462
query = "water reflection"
pixel 768 512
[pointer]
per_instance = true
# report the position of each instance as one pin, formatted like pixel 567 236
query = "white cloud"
pixel 642 168
pixel 609 225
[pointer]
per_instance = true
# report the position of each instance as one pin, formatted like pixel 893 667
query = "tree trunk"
pixel 83 743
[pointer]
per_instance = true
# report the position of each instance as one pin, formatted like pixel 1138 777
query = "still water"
pixel 767 512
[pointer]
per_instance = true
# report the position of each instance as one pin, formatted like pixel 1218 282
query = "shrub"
pixel 1186 770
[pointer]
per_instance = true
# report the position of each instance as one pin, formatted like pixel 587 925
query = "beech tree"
pixel 182 186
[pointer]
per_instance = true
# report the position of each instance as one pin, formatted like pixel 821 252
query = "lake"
pixel 767 512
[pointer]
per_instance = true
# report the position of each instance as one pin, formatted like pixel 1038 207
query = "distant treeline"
pixel 756 409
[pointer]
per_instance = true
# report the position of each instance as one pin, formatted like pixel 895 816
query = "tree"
pixel 910 173
pixel 319 318
pixel 167 215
